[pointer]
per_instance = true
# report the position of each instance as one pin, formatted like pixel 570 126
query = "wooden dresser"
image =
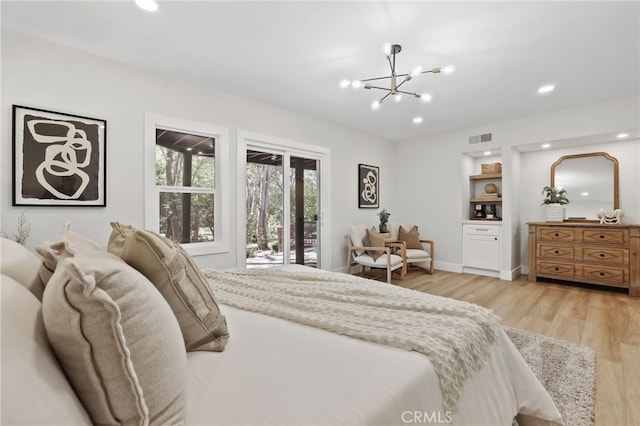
pixel 586 252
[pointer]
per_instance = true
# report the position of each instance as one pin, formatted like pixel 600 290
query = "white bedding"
pixel 276 372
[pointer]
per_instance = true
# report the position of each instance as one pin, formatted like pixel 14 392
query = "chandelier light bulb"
pixel 398 97
pixel 386 48
pixel 345 83
pixel 425 97
pixel 375 104
pixel 416 71
pixel 449 69
pixel 356 84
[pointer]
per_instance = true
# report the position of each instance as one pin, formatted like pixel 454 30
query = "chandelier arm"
pixel 375 78
pixel 384 97
pixel 401 83
pixel 407 93
pixel 392 65
pixel 377 87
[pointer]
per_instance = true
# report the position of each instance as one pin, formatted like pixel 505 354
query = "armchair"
pixel 371 251
pixel 417 253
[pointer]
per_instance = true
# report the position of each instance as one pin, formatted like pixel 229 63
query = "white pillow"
pixel 35 390
pixel 22 265
pixel 358 233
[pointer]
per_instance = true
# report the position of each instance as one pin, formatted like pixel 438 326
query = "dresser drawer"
pixel 606 236
pixel 556 270
pixel 553 251
pixel 604 275
pixel 605 255
pixel 549 233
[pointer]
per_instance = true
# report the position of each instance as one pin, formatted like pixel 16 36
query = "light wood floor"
pixel 606 320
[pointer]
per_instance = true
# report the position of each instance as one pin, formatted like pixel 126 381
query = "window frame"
pixel 221 189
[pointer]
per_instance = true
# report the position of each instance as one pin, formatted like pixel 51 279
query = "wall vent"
pixel 487 137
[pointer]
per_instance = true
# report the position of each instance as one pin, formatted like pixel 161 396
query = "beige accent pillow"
pixel 411 237
pixel 69 244
pixel 35 390
pixel 117 340
pixel 174 273
pixel 374 239
pixel 22 265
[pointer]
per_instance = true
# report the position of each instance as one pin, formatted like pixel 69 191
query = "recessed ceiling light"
pixel 622 135
pixel 547 88
pixel 487 153
pixel 418 120
pixel 546 145
pixel 149 5
pixel 585 194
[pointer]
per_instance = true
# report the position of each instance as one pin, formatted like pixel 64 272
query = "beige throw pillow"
pixel 69 244
pixel 411 237
pixel 179 280
pixel 117 340
pixel 374 239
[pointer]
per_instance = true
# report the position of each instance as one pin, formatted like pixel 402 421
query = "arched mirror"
pixel 591 182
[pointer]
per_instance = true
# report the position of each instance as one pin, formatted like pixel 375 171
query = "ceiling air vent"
pixel 487 137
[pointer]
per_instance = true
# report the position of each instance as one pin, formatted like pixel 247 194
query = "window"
pixel 185 194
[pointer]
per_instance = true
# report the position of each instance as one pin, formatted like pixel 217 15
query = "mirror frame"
pixel 614 160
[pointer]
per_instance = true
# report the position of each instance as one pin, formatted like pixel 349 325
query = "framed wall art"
pixel 58 159
pixel 368 194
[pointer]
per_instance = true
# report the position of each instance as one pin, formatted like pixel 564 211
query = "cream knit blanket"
pixel 455 336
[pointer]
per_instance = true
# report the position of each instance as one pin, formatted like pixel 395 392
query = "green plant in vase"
pixel 384 219
pixel 555 199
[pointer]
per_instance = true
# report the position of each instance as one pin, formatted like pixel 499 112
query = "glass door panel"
pixel 265 209
pixel 304 210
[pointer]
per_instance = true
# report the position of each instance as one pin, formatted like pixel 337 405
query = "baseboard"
pixel 449 267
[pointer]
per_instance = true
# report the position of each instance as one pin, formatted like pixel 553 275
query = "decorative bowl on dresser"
pixel 593 253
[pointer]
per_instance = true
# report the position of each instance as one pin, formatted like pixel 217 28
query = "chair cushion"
pixel 415 255
pixel 35 390
pixel 22 265
pixel 358 234
pixel 410 237
pixel 117 340
pixel 374 239
pixel 380 262
pixel 181 283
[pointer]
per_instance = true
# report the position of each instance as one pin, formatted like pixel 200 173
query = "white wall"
pixel 42 75
pixel 430 173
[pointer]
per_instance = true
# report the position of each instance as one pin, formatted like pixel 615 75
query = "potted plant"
pixel 384 219
pixel 555 199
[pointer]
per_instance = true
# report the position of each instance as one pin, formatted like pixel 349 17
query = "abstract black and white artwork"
pixel 59 159
pixel 368 194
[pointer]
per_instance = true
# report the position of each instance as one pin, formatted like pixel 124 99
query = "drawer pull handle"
pixel 601 254
pixel 556 269
pixel 602 274
pixel 556 252
pixel 557 235
pixel 601 236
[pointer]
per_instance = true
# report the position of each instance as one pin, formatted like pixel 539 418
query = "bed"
pixel 272 371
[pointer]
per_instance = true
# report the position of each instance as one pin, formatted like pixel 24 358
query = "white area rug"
pixel 566 370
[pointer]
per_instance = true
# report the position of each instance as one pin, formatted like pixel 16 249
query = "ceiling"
pixel 294 54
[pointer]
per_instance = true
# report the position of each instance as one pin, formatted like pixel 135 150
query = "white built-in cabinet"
pixel 481 248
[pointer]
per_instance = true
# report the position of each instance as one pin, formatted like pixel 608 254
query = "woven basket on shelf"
pixel 492 168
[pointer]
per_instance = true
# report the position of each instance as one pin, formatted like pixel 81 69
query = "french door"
pixel 283 201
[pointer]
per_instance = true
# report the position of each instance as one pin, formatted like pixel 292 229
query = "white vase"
pixel 554 212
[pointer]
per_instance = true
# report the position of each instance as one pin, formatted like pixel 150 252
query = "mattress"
pixel 277 372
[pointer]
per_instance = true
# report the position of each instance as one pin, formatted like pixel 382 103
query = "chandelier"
pixel 396 80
